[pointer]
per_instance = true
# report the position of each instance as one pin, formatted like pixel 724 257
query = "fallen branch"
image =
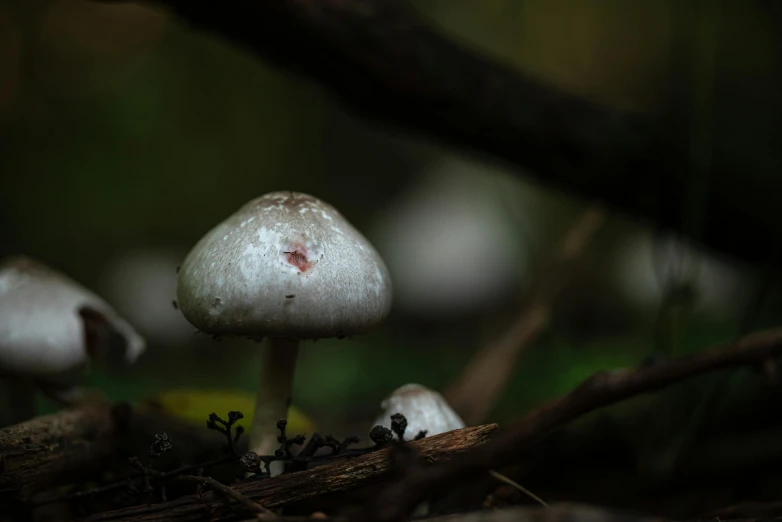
pixel 226 492
pixel 397 500
pixel 482 381
pixel 41 452
pixel 76 443
pixel 343 475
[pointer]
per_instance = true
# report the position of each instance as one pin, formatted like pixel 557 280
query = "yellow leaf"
pixel 195 404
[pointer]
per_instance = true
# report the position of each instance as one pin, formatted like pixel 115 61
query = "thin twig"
pixel 398 499
pixel 126 482
pixel 226 428
pixel 475 391
pixel 227 492
pixel 509 481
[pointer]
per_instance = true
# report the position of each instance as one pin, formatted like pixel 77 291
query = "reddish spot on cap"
pixel 296 255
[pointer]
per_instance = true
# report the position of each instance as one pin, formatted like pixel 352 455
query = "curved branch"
pixel 602 389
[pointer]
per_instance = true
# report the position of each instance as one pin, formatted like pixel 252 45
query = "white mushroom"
pixel 425 410
pixel 142 287
pixel 51 326
pixel 460 238
pixel 288 267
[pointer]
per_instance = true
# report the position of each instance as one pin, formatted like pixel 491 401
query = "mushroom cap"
pixel 285 264
pixel 424 409
pixel 47 320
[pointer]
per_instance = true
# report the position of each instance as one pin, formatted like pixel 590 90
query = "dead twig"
pixel 75 443
pixel 516 485
pixel 227 492
pixel 114 486
pixel 43 451
pixel 347 474
pixel 475 391
pixel 162 445
pixel 398 499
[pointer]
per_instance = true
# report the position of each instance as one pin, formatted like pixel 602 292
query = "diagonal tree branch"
pixel 602 389
pixel 387 63
pixel 474 393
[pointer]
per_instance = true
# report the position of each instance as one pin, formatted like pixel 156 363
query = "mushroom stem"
pixel 274 393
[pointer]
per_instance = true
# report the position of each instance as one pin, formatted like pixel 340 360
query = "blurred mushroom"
pixel 142 286
pixel 50 329
pixel 650 268
pixel 425 410
pixel 286 266
pixel 460 239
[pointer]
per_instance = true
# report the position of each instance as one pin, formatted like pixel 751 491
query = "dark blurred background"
pixel 126 136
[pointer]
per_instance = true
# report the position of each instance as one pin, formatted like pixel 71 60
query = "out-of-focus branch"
pixel 387 63
pixel 602 389
pixel 482 381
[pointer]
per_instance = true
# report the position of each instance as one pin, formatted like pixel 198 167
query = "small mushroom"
pixel 237 280
pixel 51 327
pixel 425 410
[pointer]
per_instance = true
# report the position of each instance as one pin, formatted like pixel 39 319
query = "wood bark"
pixel 74 444
pixel 343 475
pixel 43 451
